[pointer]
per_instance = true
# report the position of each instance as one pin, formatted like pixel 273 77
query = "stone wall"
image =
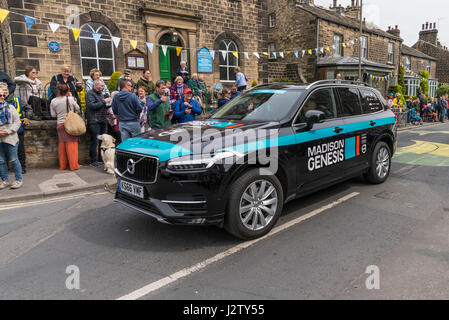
pixel 420 64
pixel 41 145
pixel 440 53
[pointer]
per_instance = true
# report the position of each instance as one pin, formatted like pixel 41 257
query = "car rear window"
pixel 370 102
pixel 350 101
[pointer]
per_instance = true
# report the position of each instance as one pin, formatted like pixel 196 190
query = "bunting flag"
pixel 343 45
pixel 76 33
pixel 256 54
pixel 150 46
pixel 3 14
pixel 212 54
pixel 29 21
pixel 96 37
pixel 322 50
pixel 316 51
pixel 297 54
pixel 224 53
pixel 265 53
pixel 275 55
pixel 235 54
pixel 116 41
pixel 133 44
pixel 164 49
pixel 287 53
pixel 54 26
pixel 303 53
pixel 310 51
pixel 352 41
pixel 246 55
pixel 334 47
pixel 328 49
pixel 178 51
pixel 281 54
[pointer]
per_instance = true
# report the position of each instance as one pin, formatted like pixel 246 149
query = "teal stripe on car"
pixel 161 149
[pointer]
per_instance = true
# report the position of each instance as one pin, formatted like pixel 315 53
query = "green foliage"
pixel 254 84
pixel 424 82
pixel 441 91
pixel 401 80
pixel 112 84
pixel 285 79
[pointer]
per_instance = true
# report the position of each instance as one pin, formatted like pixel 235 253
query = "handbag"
pixel 73 123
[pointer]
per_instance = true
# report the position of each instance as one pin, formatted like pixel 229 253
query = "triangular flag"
pixel 235 54
pixel 96 37
pixel 296 54
pixel 212 54
pixel 310 51
pixel 334 47
pixel 316 51
pixel 256 54
pixel 274 54
pixel 29 21
pixel 224 53
pixel 164 49
pixel 344 45
pixel 352 41
pixel 116 41
pixel 246 55
pixel 281 54
pixel 54 26
pixel 150 46
pixel 133 44
pixel 328 49
pixel 3 14
pixel 76 33
pixel 322 50
pixel 265 53
pixel 303 53
pixel 178 51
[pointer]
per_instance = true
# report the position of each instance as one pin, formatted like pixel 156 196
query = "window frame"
pixel 364 48
pixel 408 64
pixel 271 49
pixel 97 58
pixel 390 57
pixel 343 115
pixel 297 117
pixel 227 65
pixel 429 66
pixel 272 20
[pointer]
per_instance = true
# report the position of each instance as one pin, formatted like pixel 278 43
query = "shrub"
pixel 425 82
pixel 441 91
pixel 285 79
pixel 112 84
pixel 401 80
pixel 254 84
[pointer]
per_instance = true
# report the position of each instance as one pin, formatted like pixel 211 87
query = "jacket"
pixel 185 76
pixel 13 127
pixel 147 84
pixel 26 88
pixel 71 82
pixel 90 86
pixel 157 112
pixel 16 103
pixel 95 107
pixel 180 108
pixel 240 80
pixel 126 106
pixel 5 78
pixel 123 78
pixel 222 102
pixel 194 85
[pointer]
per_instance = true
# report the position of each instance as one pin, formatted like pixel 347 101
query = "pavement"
pixel 42 183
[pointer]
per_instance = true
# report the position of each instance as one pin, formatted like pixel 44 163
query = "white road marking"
pixel 201 265
pixel 46 201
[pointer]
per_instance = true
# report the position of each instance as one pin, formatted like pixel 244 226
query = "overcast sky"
pixel 408 15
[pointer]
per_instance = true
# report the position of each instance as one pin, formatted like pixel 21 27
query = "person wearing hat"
pixel 186 109
pixel 390 103
pixel 397 101
pixel 127 75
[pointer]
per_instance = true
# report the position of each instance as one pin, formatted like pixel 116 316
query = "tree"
pixel 401 79
pixel 441 91
pixel 425 82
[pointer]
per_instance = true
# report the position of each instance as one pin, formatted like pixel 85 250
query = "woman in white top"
pixel 68 145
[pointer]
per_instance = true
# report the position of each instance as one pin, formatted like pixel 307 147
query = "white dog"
pixel 107 152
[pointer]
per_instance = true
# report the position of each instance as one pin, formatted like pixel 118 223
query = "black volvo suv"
pixel 273 144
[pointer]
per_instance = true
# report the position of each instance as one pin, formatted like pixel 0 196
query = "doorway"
pixel 169 63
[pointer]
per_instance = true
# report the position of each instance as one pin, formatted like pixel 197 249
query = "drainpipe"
pixel 317 44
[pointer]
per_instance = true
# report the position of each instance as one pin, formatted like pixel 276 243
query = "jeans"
pixel 8 153
pixel 129 130
pixel 95 129
pixel 21 151
pixel 409 116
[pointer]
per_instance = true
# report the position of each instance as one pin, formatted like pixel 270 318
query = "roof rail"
pixel 335 81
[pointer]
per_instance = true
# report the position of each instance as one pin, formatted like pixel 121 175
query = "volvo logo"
pixel 131 166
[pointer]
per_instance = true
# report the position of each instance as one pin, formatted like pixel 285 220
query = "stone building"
pixel 230 25
pixel 429 44
pixel 296 25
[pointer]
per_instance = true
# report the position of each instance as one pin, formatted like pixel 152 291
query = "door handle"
pixel 338 130
pixel 372 123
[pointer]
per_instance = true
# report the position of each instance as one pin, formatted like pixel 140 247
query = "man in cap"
pixel 186 109
pixel 127 75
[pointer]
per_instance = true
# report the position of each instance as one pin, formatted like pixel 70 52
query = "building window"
pixel 228 64
pixel 412 85
pixel 364 46
pixel 433 85
pixel 272 50
pixel 429 65
pixel 408 64
pixel 390 52
pixel 96 55
pixel 272 20
pixel 338 41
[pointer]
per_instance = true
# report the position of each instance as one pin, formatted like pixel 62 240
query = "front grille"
pixel 145 168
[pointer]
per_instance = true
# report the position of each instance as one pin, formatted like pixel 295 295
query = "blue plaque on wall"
pixel 205 62
pixel 54 46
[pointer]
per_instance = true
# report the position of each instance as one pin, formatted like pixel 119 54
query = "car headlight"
pixel 201 162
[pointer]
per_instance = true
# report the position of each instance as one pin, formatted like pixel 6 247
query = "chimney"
pixel 353 11
pixel 335 4
pixel 395 32
pixel 429 34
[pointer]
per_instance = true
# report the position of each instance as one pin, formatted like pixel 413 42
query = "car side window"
pixel 321 100
pixel 370 102
pixel 350 102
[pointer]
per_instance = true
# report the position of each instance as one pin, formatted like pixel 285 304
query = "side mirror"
pixel 313 117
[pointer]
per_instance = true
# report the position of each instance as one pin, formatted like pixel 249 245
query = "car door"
pixel 357 129
pixel 320 149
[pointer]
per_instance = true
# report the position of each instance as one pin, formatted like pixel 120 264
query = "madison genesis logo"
pixel 328 154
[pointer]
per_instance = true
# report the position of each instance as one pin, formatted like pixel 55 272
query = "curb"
pixel 106 185
pixel 417 126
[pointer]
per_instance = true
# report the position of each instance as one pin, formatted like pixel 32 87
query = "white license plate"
pixel 131 188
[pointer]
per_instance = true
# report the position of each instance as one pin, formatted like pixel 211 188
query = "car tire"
pixel 265 207
pixel 380 164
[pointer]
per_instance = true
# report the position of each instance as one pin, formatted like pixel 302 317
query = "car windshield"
pixel 260 105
